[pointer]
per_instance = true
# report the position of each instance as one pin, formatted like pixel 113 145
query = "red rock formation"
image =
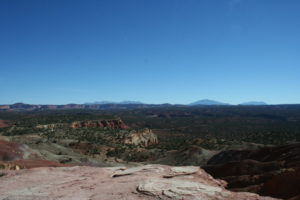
pixel 5 123
pixel 10 151
pixel 147 182
pixel 113 124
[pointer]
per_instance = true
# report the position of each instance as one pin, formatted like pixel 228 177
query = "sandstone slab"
pixel 92 183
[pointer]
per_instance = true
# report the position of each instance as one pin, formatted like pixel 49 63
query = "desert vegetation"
pixel 216 138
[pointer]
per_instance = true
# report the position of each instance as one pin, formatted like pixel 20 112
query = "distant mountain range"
pixel 254 103
pixel 113 102
pixel 105 105
pixel 97 105
pixel 208 102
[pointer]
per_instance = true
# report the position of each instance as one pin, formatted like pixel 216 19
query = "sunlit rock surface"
pixel 143 138
pixel 143 182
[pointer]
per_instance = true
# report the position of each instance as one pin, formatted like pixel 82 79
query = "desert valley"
pixel 149 99
pixel 150 152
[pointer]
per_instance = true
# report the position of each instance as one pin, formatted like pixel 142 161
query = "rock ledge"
pixel 144 182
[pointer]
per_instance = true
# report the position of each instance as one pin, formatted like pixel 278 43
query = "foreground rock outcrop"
pixel 143 182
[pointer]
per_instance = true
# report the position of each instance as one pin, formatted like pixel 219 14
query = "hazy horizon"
pixel 172 51
pixel 120 102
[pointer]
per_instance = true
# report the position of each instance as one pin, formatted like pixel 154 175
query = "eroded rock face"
pixel 113 124
pixel 267 171
pixel 285 185
pixel 143 182
pixel 10 150
pixel 143 138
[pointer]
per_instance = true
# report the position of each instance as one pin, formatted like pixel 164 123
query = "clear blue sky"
pixel 155 51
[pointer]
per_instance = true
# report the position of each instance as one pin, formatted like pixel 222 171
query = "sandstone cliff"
pixel 143 138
